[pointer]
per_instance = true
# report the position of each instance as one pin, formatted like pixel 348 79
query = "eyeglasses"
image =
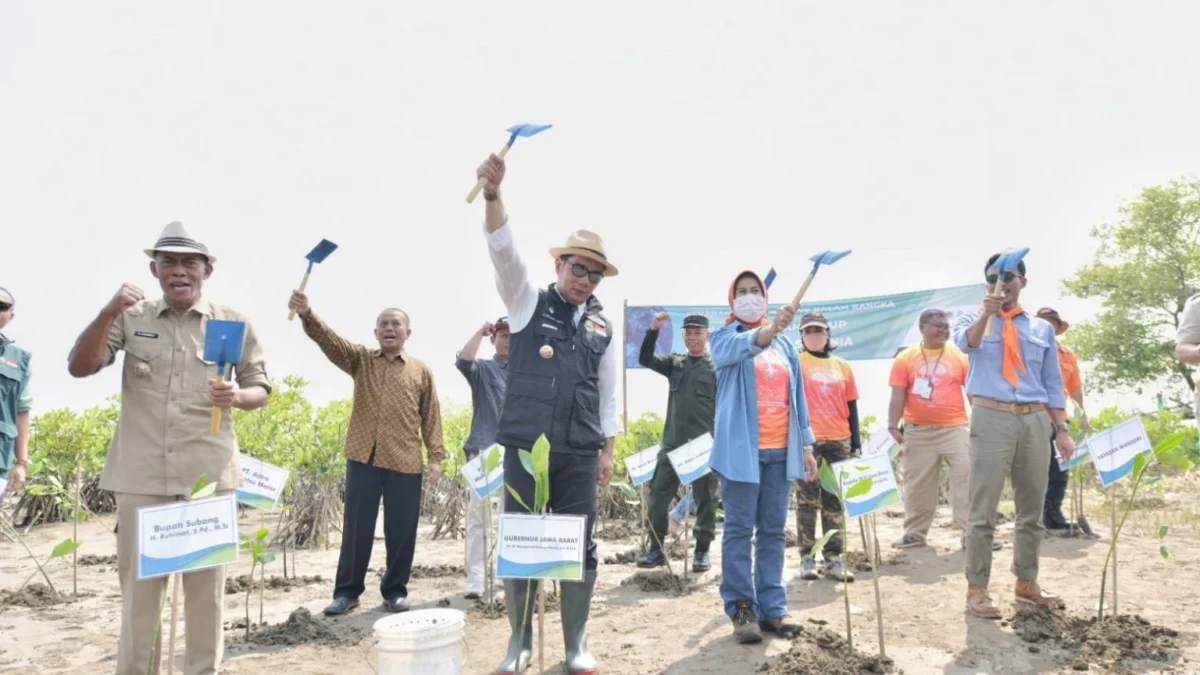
pixel 580 271
pixel 5 306
pixel 1008 276
pixel 939 326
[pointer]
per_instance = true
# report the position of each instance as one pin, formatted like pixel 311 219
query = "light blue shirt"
pixel 735 435
pixel 1040 382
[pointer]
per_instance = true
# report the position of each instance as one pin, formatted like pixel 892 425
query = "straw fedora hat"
pixel 175 239
pixel 587 244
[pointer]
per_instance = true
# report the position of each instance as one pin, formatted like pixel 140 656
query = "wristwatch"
pixel 1062 426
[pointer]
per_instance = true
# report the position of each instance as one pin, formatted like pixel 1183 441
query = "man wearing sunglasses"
pixel 15 402
pixel 562 382
pixel 1014 379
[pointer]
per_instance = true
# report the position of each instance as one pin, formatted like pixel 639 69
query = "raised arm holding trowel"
pixel 319 253
pixel 522 130
pixel 822 258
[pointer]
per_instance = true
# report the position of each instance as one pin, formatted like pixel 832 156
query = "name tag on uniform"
pixel 923 387
pixel 146 334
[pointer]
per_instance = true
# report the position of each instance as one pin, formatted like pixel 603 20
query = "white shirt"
pixel 520 298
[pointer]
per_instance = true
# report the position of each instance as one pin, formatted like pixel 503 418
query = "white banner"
pixel 640 465
pixel 690 460
pixel 186 536
pixel 540 547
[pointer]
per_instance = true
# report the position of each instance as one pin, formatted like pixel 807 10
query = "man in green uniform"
pixel 691 408
pixel 15 402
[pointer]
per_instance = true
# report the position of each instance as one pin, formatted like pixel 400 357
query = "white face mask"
pixel 749 308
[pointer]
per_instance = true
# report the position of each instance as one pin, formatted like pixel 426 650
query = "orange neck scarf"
pixel 1012 345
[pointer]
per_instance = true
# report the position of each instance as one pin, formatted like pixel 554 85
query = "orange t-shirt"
pixel 1068 365
pixel 828 387
pixel 945 408
pixel 774 381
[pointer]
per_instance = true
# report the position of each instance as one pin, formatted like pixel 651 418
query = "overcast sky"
pixel 699 139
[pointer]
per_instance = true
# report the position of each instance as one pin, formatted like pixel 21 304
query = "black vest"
pixel 557 396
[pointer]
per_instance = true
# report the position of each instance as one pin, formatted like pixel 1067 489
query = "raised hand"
pixel 125 297
pixel 659 319
pixel 299 303
pixel 492 170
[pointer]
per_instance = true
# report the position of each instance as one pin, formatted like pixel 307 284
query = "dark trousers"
pixel 401 492
pixel 572 489
pixel 1056 490
pixel 812 499
pixel 663 489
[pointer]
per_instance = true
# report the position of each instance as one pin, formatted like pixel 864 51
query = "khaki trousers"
pixel 925 447
pixel 1003 445
pixel 203 593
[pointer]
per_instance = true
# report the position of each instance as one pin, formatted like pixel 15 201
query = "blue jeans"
pixel 763 506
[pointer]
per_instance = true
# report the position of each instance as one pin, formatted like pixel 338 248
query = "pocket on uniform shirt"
pixel 147 367
pixel 585 432
pixel 199 372
pixel 706 389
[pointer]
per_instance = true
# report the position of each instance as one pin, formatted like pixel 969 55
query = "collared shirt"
pixel 691 403
pixel 1040 382
pixel 521 297
pixel 162 443
pixel 25 392
pixel 395 402
pixel 488 379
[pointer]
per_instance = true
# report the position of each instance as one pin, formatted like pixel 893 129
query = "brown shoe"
pixel 980 603
pixel 784 626
pixel 1029 591
pixel 745 624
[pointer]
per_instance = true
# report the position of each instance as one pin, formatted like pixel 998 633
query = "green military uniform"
pixel 691 408
pixel 15 393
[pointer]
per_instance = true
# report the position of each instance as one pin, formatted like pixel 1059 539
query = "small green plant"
pixel 1162 536
pixel 833 484
pixel 1169 451
pixel 256 546
pixel 537 464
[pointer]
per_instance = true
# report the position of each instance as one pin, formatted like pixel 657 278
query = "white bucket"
pixel 425 641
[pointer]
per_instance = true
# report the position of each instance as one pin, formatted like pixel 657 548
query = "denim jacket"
pixel 735 437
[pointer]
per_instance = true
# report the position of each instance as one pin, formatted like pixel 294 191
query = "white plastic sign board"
pixel 262 483
pixel 884 491
pixel 472 472
pixel 531 546
pixel 690 460
pixel 640 465
pixel 186 536
pixel 1114 450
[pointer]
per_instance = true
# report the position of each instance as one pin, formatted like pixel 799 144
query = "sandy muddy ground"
pixel 655 631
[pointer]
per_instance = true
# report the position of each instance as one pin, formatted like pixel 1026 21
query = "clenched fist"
pixel 127 296
pixel 659 319
pixel 493 170
pixel 299 303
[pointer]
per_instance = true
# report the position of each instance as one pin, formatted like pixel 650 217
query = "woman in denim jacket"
pixel 761 443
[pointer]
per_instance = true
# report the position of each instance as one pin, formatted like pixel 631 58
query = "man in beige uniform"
pixel 162 442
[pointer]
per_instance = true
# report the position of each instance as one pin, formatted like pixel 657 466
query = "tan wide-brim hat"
pixel 175 239
pixel 1049 313
pixel 587 244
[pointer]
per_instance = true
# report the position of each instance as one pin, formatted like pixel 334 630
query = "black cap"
pixel 695 320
